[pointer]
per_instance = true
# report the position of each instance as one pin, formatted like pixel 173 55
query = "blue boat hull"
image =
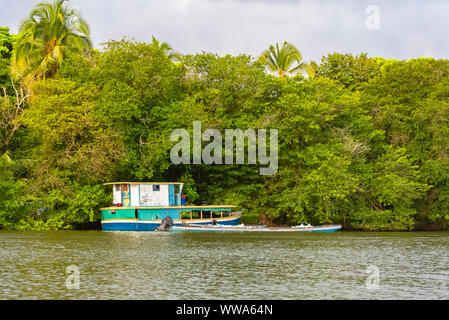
pixel 327 230
pixel 144 225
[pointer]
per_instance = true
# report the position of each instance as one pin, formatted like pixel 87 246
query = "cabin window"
pixel 176 188
pixel 216 215
pixel 156 187
pixel 195 214
pixel 185 215
pixel 117 188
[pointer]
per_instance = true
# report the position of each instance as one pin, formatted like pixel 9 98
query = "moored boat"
pixel 243 228
pixel 142 206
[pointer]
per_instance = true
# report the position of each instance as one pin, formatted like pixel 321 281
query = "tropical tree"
pixel 352 71
pixel 165 48
pixel 311 69
pixel 6 45
pixel 45 37
pixel 286 59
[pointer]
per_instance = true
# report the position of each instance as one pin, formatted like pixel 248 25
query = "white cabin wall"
pixel 135 200
pixel 117 194
pixel 148 197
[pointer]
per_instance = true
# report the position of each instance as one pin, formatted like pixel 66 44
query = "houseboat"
pixel 142 206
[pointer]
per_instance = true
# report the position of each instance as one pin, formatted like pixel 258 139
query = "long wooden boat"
pixel 143 206
pixel 243 228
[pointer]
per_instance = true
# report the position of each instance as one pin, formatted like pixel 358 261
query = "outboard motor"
pixel 166 224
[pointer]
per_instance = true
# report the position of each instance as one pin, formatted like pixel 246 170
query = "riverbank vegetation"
pixel 362 141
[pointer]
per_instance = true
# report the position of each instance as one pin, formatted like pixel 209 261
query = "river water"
pixel 152 265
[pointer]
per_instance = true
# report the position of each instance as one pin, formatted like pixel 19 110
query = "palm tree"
pixel 311 69
pixel 285 60
pixel 165 48
pixel 45 36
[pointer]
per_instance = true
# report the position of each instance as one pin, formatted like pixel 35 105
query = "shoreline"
pixel 343 230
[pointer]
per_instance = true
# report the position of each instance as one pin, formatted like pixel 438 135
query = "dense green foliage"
pixel 6 46
pixel 362 141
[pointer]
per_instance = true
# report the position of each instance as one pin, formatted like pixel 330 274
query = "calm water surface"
pixel 151 265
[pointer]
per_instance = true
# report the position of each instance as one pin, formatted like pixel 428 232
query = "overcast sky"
pixel 404 29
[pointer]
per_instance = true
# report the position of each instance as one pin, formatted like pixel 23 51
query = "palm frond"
pixel 50 30
pixel 282 60
pixel 165 49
